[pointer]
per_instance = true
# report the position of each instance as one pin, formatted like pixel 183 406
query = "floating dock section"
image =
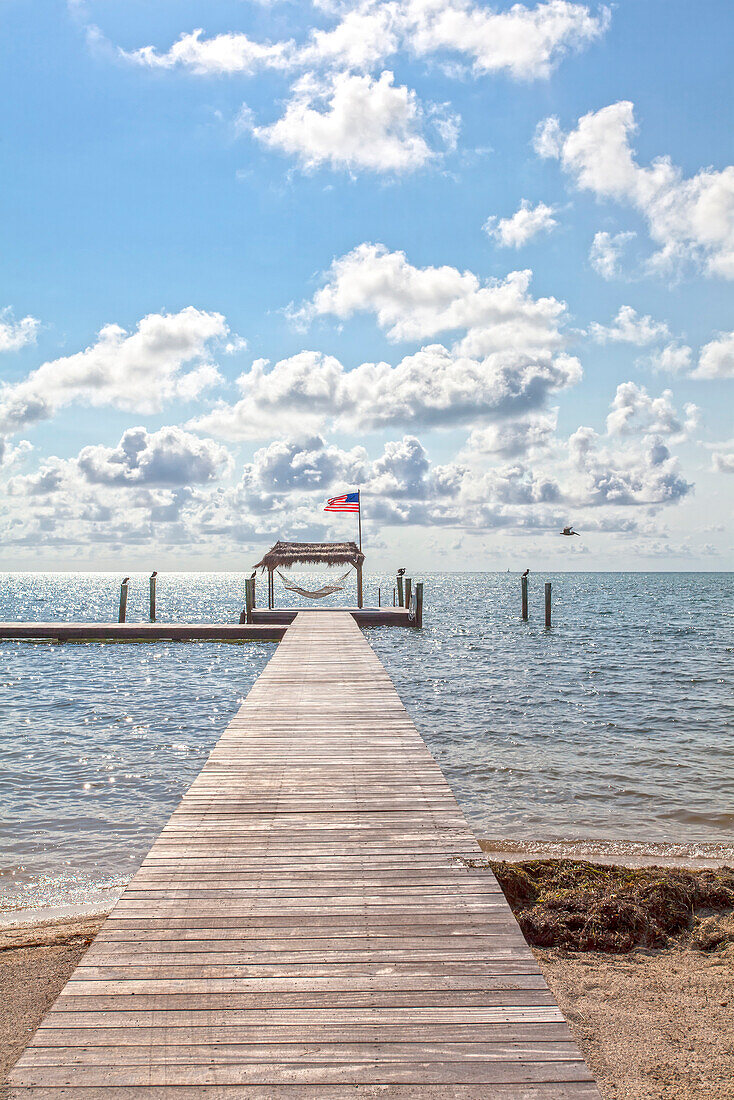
pixel 307 925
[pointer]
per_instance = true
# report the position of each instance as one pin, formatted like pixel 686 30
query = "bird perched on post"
pixel 526 573
pixel 126 579
pixel 401 572
pixel 154 574
pixel 569 531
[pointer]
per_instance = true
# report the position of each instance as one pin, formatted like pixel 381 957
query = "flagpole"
pixel 359 516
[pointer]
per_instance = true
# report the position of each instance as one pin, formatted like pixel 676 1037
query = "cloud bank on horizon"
pixel 549 363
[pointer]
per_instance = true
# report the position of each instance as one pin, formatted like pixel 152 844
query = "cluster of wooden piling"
pixel 122 611
pixel 524 601
pixel 412 600
pixel 404 596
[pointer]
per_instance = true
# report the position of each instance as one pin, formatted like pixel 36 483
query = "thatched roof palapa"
pixel 285 554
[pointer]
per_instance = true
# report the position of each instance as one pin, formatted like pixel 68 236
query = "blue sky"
pixel 486 250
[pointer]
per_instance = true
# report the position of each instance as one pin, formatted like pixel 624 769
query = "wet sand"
pixel 653 1025
pixel 36 961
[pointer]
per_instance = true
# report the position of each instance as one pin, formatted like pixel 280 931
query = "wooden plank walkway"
pixel 305 925
pixel 267 626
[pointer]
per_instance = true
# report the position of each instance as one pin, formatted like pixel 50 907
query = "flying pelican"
pixel 569 531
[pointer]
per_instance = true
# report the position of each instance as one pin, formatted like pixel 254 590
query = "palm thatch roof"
pixel 285 554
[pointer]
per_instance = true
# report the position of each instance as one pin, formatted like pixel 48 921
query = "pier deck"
pixel 306 924
pixel 267 626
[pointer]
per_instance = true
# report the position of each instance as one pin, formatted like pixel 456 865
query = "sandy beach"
pixel 654 1023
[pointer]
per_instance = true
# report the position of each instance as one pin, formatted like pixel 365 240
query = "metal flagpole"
pixel 359 516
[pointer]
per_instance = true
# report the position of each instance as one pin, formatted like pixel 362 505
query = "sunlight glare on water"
pixel 613 727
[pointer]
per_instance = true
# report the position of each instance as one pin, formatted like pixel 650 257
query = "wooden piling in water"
pixel 524 592
pixel 418 613
pixel 122 612
pixel 400 589
pixel 249 598
pixel 408 590
pixel 547 605
pixel 153 578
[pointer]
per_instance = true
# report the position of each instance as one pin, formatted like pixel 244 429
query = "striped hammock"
pixel 318 593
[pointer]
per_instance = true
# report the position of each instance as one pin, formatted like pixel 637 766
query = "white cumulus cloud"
pixel 169 456
pixel 15 335
pixel 716 359
pixel 629 328
pixel 606 252
pixel 688 218
pixel 634 411
pixel 352 122
pixel 512 438
pixel 168 357
pixel 432 387
pixel 673 358
pixel 527 222
pixel 722 458
pixel 224 53
pixel 507 358
pixel 526 42
pixel 412 303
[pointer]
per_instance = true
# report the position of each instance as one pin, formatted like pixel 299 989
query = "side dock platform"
pixel 267 626
pixel 309 924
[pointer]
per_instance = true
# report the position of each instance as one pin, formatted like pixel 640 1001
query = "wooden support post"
pixel 153 578
pixel 379 597
pixel 123 602
pixel 547 605
pixel 418 616
pixel 359 586
pixel 524 584
pixel 271 590
pixel 249 598
pixel 408 588
pixel 400 589
pixel 394 597
pixel 252 578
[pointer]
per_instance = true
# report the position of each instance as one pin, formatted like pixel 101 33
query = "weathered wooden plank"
pixel 528 1033
pixel 283 1052
pixel 309 924
pixel 465 1071
pixel 571 1090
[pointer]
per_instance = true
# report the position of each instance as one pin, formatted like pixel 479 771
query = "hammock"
pixel 319 593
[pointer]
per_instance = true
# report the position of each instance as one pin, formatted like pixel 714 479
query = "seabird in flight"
pixel 569 531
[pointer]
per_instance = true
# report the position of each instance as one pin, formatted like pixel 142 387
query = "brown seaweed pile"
pixel 595 907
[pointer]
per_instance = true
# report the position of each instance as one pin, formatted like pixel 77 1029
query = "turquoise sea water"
pixel 610 732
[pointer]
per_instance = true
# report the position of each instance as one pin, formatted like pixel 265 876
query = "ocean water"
pixel 611 733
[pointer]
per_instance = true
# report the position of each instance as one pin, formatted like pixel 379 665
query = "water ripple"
pixel 613 727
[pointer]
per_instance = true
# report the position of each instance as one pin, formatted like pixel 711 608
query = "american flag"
pixel 347 503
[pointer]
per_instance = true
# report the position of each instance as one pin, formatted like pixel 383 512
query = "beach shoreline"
pixel 618 852
pixel 652 1023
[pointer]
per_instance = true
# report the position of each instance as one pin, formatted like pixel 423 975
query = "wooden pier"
pixel 307 925
pixel 267 626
